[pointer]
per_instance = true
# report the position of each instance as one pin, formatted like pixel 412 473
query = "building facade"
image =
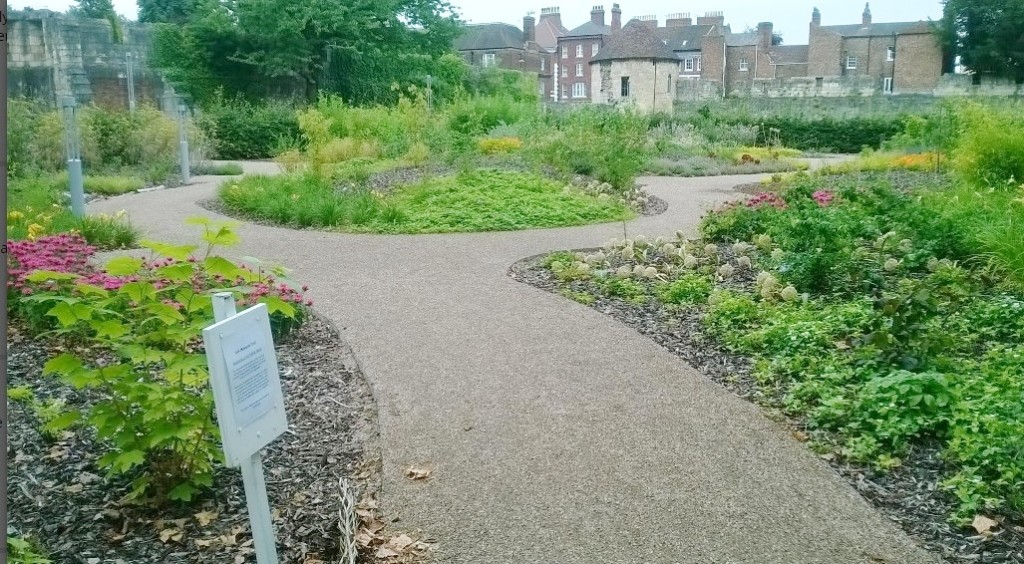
pixel 576 49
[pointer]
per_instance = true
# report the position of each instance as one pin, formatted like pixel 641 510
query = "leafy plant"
pixel 22 551
pixel 688 289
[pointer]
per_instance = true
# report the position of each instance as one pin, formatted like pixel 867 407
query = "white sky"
pixel 790 17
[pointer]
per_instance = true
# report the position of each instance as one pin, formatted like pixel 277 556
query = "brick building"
pixel 576 48
pixel 505 46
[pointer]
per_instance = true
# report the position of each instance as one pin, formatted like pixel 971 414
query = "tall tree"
pixel 988 35
pixel 96 9
pixel 165 11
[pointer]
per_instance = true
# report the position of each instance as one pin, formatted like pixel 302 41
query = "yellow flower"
pixel 34 231
pixel 15 216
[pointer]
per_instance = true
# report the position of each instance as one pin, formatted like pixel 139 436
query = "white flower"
pixel 580 256
pixel 726 270
pixel 627 253
pixel 777 254
pixel 659 242
pixel 557 266
pixel 740 248
pixel 767 293
pixel 763 241
pixel 638 270
pixel 690 261
pixel 650 272
pixel 711 249
pixel 891 265
pixel 668 249
pixel 789 294
pixel 582 267
pixel 599 256
pixel 640 240
pixel 623 272
pixel 743 262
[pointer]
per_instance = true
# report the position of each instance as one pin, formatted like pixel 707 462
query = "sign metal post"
pixel 250 405
pixel 73 149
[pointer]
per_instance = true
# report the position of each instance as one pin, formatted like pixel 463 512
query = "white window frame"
pixel 887 85
pixel 543 64
pixel 488 60
pixel 688 64
pixel 698 62
pixel 579 51
pixel 744 65
pixel 594 49
pixel 565 71
pixel 565 54
pixel 890 54
pixel 579 90
pixel 579 69
pixel 851 62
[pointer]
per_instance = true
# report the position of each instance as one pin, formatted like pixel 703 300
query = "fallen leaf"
pixel 366 514
pixel 205 543
pixel 93 561
pixel 400 543
pixel 417 473
pixel 800 436
pixel 205 517
pixel 88 478
pixel 168 535
pixel 385 552
pixel 373 526
pixel 74 488
pixel 367 503
pixel 983 524
pixel 364 539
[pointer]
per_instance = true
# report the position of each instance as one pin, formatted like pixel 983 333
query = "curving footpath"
pixel 555 433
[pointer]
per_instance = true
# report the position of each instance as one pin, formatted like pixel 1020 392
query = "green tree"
pixel 165 11
pixel 96 9
pixel 987 34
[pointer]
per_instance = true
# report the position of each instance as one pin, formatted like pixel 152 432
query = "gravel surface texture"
pixel 554 433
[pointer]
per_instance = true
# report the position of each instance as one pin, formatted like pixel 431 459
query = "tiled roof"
pixel 878 29
pixel 635 41
pixel 589 29
pixel 684 38
pixel 748 39
pixel 489 36
pixel 789 54
pixel 548 33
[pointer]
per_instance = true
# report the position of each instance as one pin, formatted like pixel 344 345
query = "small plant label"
pixel 246 384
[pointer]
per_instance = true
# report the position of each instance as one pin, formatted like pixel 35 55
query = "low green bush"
pixel 990 149
pixel 218 169
pixel 238 129
pixel 111 185
pixel 688 289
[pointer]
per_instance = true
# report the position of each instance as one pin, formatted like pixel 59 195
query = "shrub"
pixel 155 409
pixel 990 151
pixel 111 185
pixel 242 130
pixel 491 146
pixel 218 169
pixel 688 289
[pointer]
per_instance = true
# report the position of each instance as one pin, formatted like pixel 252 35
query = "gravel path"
pixel 555 433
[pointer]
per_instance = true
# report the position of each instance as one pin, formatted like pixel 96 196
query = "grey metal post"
pixel 183 141
pixel 430 93
pixel 73 149
pixel 131 83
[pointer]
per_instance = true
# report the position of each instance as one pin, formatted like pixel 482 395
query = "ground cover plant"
pixel 132 333
pixel 881 308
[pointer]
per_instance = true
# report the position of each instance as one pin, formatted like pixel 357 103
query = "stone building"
pixel 635 68
pixel 576 49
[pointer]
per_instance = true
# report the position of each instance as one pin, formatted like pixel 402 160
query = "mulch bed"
pixel 910 495
pixel 58 496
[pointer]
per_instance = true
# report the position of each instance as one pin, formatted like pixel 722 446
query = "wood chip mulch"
pixel 910 495
pixel 59 497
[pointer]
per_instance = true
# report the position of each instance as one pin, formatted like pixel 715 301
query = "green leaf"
pixel 220 266
pixel 64 364
pixel 224 236
pixel 139 291
pixel 123 266
pixel 68 314
pixel 91 290
pixel 176 252
pixel 127 460
pixel 165 313
pixel 177 273
pixel 48 275
pixel 277 305
pixel 198 220
pixel 186 368
pixel 108 329
pixel 61 422
pixel 184 491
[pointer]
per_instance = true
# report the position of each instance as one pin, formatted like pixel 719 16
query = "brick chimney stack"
pixel 867 14
pixel 529 28
pixel 553 14
pixel 712 18
pixel 616 17
pixel 597 15
pixel 650 21
pixel 678 20
pixel 815 18
pixel 764 35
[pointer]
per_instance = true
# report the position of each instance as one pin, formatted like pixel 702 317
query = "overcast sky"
pixel 789 16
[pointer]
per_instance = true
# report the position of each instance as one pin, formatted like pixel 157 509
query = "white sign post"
pixel 250 406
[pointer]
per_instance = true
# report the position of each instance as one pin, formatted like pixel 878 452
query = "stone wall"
pixel 652 84
pixel 51 55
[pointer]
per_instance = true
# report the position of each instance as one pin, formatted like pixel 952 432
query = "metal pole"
pixel 74 154
pixel 183 141
pixel 430 93
pixel 256 501
pixel 131 83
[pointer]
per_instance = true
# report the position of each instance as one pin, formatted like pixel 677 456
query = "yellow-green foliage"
pixel 343 149
pixel 491 146
pixel 763 153
pixel 418 154
pixel 990 150
pixel 872 161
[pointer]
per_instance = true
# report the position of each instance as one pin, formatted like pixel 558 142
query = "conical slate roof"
pixel 636 40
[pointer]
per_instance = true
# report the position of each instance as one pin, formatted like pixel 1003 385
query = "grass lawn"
pixel 482 200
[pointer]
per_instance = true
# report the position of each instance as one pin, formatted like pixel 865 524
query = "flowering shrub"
pixel 142 319
pixel 824 198
pixel 491 146
pixel 766 199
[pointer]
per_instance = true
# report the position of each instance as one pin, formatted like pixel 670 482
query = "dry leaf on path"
pixel 375 525
pixel 418 473
pixel 205 543
pixel 74 488
pixel 400 543
pixel 983 524
pixel 385 552
pixel 364 539
pixel 168 535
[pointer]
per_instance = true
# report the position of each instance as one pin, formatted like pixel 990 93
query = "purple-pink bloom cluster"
pixel 824 198
pixel 765 199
